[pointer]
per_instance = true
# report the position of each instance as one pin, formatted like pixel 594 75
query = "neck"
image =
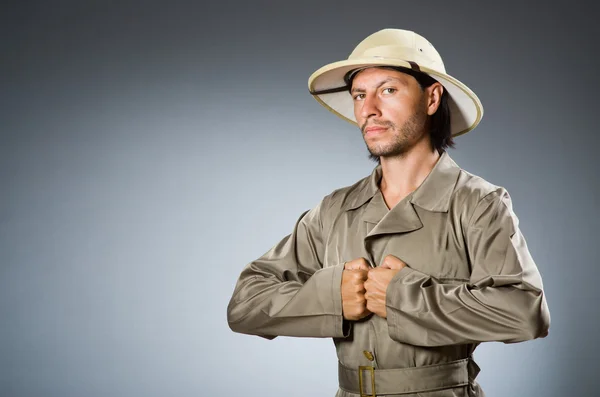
pixel 403 174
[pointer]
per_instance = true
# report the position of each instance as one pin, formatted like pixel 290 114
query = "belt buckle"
pixel 360 380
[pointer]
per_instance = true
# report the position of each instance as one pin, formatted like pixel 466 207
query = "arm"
pixel 287 291
pixel 503 300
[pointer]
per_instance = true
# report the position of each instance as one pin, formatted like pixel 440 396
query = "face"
pixel 392 110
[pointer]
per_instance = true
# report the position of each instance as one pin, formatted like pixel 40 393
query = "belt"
pixel 368 381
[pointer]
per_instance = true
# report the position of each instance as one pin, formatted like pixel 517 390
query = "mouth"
pixel 369 131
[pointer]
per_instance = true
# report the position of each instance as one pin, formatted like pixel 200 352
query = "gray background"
pixel 148 151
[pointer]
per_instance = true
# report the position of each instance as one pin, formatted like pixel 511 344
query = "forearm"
pixel 422 311
pixel 267 306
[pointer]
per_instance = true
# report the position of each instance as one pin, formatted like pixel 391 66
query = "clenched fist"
pixel 377 282
pixel 354 304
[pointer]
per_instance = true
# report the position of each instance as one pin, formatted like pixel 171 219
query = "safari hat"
pixel 397 48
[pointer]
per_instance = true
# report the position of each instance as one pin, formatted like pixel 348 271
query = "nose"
pixel 370 107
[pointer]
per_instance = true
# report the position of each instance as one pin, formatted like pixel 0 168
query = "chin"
pixel 387 151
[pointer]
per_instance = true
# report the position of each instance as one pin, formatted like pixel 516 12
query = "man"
pixel 410 268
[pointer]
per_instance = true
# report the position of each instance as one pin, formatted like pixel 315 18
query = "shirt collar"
pixel 433 194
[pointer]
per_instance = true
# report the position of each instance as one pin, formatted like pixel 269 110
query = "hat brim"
pixel 465 108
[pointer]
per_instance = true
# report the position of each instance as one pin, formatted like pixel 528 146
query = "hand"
pixel 392 262
pixel 377 282
pixel 354 304
pixel 357 264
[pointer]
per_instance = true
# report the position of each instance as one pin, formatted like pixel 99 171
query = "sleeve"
pixel 502 301
pixel 287 291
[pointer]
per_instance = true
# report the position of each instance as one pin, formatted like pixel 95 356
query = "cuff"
pixel 333 299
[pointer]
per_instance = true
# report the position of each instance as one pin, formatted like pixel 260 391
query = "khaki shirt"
pixel 469 277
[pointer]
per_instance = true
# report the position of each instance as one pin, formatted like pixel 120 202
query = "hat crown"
pixel 399 44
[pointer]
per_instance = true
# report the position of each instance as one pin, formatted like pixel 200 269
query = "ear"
pixel 434 97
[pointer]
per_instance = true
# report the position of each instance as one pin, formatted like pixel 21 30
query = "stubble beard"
pixel 404 138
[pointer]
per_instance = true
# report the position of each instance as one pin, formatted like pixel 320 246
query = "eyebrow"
pixel 387 80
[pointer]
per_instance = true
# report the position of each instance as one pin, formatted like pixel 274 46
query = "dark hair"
pixel 439 127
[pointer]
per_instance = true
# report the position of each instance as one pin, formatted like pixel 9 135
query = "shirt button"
pixel 369 355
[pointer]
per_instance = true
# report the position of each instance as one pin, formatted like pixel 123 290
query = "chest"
pixel 430 242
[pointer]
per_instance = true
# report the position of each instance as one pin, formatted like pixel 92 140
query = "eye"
pixel 389 90
pixel 358 97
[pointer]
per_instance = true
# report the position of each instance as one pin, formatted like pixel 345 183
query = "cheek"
pixel 395 110
pixel 357 112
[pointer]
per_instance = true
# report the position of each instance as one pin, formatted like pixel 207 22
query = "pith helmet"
pixel 398 48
